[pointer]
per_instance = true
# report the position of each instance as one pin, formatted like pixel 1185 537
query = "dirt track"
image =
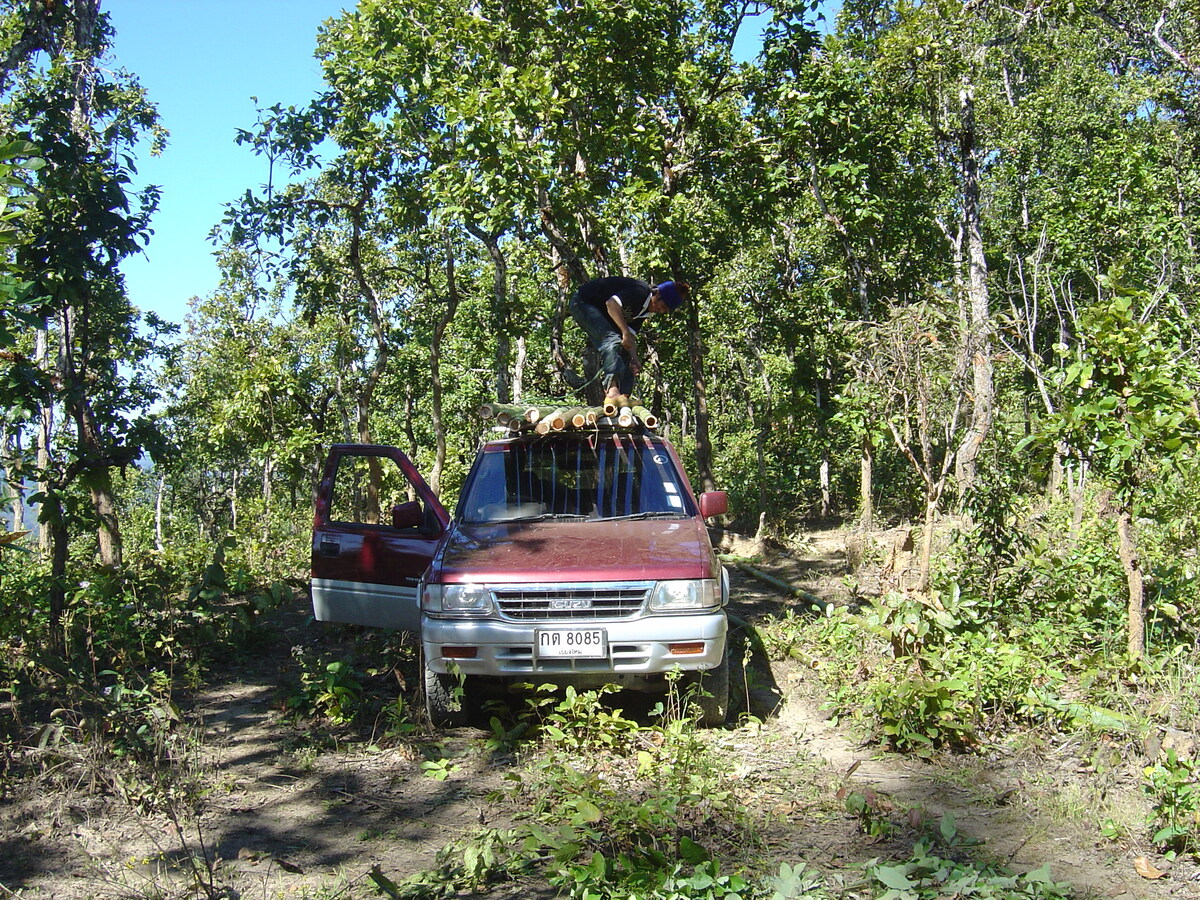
pixel 287 814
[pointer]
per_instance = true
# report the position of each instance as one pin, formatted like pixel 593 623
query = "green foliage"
pixel 327 688
pixel 1173 787
pixel 580 722
pixel 1127 393
pixel 927 876
pixel 919 714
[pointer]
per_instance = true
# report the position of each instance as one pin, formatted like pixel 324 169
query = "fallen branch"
pixel 779 583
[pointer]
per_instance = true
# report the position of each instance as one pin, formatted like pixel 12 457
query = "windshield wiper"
pixel 541 517
pixel 650 514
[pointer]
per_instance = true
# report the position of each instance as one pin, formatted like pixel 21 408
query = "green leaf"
pixel 894 877
pixel 586 811
pixel 692 852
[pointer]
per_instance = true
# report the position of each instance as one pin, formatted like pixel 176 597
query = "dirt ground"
pixel 289 816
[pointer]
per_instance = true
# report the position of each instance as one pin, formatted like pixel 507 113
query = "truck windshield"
pixel 601 477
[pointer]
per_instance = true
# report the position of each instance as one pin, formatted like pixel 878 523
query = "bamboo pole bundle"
pixel 620 411
pixel 555 420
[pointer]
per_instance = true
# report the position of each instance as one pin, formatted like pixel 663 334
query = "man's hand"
pixel 629 342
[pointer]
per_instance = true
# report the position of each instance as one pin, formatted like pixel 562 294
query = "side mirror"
pixel 408 515
pixel 713 503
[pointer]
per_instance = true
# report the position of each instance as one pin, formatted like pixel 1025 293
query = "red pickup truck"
pixel 577 557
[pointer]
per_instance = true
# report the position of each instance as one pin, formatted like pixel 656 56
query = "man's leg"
pixel 604 337
pixel 615 360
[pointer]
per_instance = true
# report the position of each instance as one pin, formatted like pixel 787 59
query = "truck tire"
pixel 445 703
pixel 713 695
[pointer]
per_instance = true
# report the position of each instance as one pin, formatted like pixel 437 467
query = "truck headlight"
pixel 457 600
pixel 672 596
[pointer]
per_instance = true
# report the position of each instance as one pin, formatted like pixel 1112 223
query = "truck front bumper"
pixel 638 652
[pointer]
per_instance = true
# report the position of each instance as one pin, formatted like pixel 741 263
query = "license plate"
pixel 572 643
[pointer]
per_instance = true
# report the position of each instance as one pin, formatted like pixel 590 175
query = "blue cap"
pixel 670 294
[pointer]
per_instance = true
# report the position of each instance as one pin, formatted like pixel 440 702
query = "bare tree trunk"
pixel 979 328
pixel 60 542
pixel 435 370
pixel 823 440
pixel 233 499
pixel 1130 561
pixel 500 312
pixel 45 427
pixel 866 482
pixel 700 399
pixel 931 508
pixel 108 532
pixel 410 412
pixel 268 470
pixel 518 384
pixel 159 543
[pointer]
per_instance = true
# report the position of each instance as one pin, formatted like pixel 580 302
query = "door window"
pixel 367 489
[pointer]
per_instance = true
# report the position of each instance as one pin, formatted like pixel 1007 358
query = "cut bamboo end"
pixel 533 414
pixel 648 418
pixel 625 417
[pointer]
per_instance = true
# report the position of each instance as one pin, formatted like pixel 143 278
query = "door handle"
pixel 330 547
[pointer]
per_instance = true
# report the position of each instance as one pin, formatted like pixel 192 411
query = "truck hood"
pixel 611 550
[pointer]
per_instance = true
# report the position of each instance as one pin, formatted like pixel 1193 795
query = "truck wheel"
pixel 445 700
pixel 713 695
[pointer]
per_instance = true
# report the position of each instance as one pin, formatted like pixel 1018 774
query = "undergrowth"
pixel 608 809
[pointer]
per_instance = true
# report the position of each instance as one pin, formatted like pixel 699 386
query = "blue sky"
pixel 202 61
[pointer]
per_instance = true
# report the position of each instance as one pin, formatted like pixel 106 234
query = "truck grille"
pixel 573 602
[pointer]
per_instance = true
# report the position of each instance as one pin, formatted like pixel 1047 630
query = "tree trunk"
pixel 268 470
pixel 866 485
pixel 158 513
pixel 700 399
pixel 60 542
pixel 108 532
pixel 45 426
pixel 823 441
pixel 500 312
pixel 978 328
pixel 435 370
pixel 233 499
pixel 518 383
pixel 1128 549
pixel 932 496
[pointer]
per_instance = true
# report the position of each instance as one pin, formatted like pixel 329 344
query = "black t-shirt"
pixel 633 294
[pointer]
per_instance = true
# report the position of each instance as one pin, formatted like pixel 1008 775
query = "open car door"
pixel 376 528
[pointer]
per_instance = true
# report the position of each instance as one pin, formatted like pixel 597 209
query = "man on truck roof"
pixel 610 311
